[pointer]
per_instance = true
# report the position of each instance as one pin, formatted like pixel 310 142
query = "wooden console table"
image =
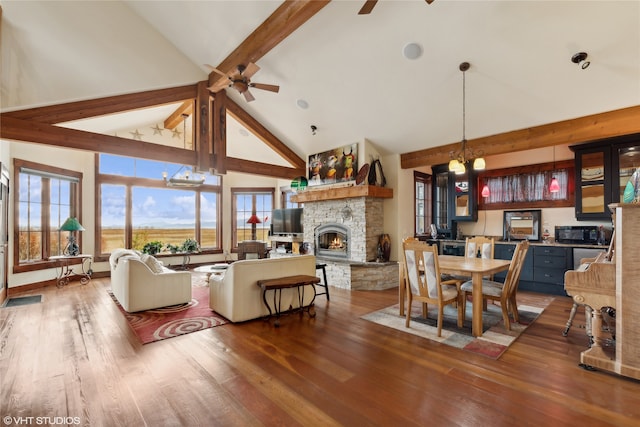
pixel 277 285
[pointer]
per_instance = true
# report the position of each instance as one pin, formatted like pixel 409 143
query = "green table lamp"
pixel 71 225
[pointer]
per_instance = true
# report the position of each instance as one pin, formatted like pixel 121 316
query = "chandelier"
pixel 458 160
pixel 188 178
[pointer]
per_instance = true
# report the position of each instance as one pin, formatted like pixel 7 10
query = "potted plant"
pixel 190 245
pixel 172 248
pixel 152 248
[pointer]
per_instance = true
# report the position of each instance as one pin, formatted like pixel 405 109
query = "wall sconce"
pixel 581 59
pixel 314 129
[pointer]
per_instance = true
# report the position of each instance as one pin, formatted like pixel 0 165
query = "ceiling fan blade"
pixel 214 69
pixel 248 96
pixel 250 70
pixel 271 88
pixel 368 7
pixel 219 85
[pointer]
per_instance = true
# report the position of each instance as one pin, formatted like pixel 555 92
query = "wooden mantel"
pixel 313 195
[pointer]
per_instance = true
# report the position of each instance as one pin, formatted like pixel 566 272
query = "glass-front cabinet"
pixel 628 165
pixel 463 198
pixel 593 185
pixel 454 198
pixel 604 171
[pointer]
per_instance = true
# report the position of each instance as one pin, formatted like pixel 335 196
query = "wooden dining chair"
pixel 427 287
pixel 503 292
pixel 483 245
pixel 403 278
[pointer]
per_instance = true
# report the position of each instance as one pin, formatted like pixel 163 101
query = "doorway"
pixel 4 230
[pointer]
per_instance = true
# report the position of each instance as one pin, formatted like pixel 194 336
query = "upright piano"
pixel 613 280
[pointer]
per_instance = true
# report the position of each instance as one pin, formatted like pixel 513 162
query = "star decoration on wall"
pixel 176 133
pixel 157 130
pixel 136 135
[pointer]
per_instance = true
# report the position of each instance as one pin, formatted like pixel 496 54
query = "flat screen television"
pixel 287 221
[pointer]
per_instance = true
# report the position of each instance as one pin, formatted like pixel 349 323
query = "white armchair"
pixel 138 287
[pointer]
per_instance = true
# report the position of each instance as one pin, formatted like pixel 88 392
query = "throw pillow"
pixel 152 263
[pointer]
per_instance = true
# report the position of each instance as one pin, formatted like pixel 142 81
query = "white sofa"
pixel 236 295
pixel 138 287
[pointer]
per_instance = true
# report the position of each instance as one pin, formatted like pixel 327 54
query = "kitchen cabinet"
pixel 603 169
pixel 543 269
pixel 455 197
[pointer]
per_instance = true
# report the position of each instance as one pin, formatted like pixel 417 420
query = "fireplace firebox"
pixel 332 241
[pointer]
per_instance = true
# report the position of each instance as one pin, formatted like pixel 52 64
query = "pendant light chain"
pixel 464 107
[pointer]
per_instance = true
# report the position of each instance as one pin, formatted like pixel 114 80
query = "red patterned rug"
pixel 168 322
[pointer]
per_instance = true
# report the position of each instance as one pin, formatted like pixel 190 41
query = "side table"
pixel 64 263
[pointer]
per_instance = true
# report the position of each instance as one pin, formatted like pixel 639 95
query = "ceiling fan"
pixel 369 4
pixel 240 80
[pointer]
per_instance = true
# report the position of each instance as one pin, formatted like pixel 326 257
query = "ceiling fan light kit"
pixel 240 80
pixel 458 160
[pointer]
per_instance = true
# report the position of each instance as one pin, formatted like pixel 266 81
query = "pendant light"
pixel 185 180
pixel 554 185
pixel 485 191
pixel 457 162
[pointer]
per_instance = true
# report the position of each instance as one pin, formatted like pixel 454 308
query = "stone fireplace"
pixel 344 224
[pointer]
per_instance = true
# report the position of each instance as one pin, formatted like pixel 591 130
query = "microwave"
pixel 577 234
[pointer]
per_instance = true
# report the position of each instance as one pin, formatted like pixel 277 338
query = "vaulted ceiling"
pixel 348 68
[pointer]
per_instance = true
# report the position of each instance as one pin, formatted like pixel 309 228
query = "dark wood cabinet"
pixel 593 182
pixel 543 269
pixel 455 197
pixel 603 169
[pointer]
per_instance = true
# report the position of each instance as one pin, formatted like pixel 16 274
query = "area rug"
pixel 168 322
pixel 495 338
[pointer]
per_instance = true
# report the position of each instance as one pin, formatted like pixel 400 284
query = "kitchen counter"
pixel 513 242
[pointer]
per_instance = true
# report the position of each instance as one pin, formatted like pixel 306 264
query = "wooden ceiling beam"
pixel 219 132
pixel 98 107
pixel 287 18
pixel 264 135
pixel 625 121
pixel 265 169
pixel 44 133
pixel 186 109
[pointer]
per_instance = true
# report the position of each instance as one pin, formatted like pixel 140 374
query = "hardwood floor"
pixel 73 355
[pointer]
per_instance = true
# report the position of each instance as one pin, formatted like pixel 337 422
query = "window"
pixel 422 206
pixel 137 206
pixel 246 202
pixel 45 197
pixel 528 186
pixel 286 199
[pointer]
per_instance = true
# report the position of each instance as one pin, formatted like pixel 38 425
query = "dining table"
pixel 476 268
